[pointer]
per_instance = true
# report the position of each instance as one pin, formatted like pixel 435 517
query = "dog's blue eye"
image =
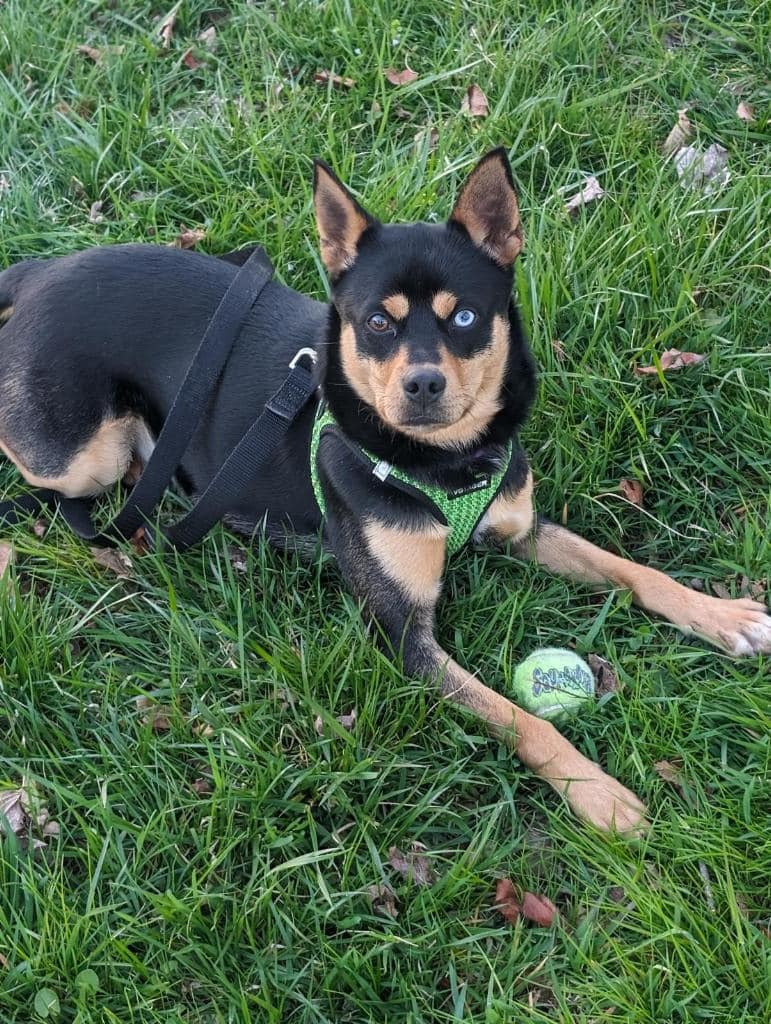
pixel 464 318
pixel 379 323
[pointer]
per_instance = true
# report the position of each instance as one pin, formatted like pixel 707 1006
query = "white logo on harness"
pixel 382 470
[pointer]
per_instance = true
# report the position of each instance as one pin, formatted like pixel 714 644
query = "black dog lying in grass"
pixel 427 378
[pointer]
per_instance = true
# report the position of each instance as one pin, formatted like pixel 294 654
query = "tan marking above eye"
pixel 397 306
pixel 443 303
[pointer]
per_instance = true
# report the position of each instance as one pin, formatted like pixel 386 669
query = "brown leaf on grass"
pixel 114 560
pixel 97 54
pixel 157 716
pixel 512 903
pixel 720 590
pixel 23 811
pixel 190 60
pixel 605 678
pixel 680 134
pixel 632 491
pixel 745 112
pixel 95 214
pixel 592 190
pixel 672 359
pixel 755 589
pixel 323 77
pixel 672 774
pixel 166 26
pixel 427 137
pixel 7 556
pixel 347 721
pixel 238 558
pixel 412 865
pixel 188 238
pixel 558 349
pixel 475 102
pixel 209 38
pixel 202 787
pixel 383 900
pixel 400 77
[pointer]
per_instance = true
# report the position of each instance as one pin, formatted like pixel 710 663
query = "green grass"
pixel 249 903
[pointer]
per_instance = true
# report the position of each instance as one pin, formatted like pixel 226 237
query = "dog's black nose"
pixel 424 385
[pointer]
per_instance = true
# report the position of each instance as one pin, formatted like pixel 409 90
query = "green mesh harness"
pixel 460 511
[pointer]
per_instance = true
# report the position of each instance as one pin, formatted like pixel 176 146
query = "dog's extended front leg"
pixel 738 626
pixel 398 572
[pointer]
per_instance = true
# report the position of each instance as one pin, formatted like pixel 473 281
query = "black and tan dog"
pixel 426 372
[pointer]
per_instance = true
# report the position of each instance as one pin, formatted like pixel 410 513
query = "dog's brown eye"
pixel 379 323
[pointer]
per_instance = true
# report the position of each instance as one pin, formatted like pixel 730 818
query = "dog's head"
pixel 425 334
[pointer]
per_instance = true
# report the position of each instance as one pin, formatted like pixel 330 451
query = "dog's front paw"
pixel 596 797
pixel 740 627
pixel 605 803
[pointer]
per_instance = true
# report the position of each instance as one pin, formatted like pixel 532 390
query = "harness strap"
pixel 178 427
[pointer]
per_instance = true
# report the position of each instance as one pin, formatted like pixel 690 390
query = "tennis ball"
pixel 553 683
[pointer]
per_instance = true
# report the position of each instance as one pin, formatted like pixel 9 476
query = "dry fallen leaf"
pixel 721 590
pixel 592 190
pixel 188 238
pixel 190 60
pixel 97 55
pixel 755 589
pixel 400 77
pixel 632 491
pixel 412 865
pixel 746 112
pixel 605 678
pixel 347 721
pixel 23 810
pixel 202 787
pixel 672 774
pixel 475 102
pixel 322 77
pixel 238 558
pixel 7 556
pixel 114 560
pixel 559 349
pixel 427 137
pixel 679 135
pixel 672 359
pixel 511 903
pixel 707 171
pixel 383 900
pixel 166 27
pixel 208 37
pixel 95 215
pixel 157 716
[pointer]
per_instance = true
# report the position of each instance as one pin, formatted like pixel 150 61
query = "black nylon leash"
pixel 254 450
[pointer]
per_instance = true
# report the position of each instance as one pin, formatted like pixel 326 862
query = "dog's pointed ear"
pixel 487 208
pixel 340 219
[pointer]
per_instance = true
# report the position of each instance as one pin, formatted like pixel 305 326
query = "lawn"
pixel 214 858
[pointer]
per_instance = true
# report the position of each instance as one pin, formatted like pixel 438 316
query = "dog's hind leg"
pixel 93 467
pixel 739 627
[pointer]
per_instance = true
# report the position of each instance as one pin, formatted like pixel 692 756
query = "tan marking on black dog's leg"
pixel 93 468
pixel 510 517
pixel 397 306
pixel 413 561
pixel 739 627
pixel 6 314
pixel 443 303
pixel 592 794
